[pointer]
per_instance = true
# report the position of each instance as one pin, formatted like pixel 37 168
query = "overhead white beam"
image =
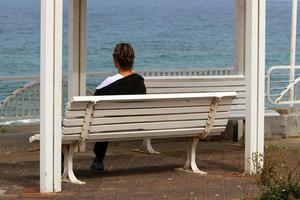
pixel 255 71
pixel 50 95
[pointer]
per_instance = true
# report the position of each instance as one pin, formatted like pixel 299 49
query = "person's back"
pixel 131 84
pixel 126 82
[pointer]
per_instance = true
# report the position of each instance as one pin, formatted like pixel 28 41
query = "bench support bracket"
pixel 147 147
pixel 68 174
pixel 191 165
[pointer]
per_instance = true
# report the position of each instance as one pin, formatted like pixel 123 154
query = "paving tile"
pixel 179 194
pixel 131 175
pixel 233 191
pixel 215 193
pixel 2 192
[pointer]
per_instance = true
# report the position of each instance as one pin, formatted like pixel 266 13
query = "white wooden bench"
pixel 131 117
pixel 203 84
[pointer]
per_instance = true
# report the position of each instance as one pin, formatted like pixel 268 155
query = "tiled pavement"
pixel 132 175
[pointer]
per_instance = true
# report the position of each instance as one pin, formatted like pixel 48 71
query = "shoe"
pixel 97 167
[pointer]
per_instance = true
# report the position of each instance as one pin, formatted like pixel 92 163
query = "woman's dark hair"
pixel 124 55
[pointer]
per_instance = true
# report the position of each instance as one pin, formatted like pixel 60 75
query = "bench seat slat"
pixel 194 90
pixel 179 79
pixel 154 111
pixel 238 101
pixel 132 135
pixel 152 104
pixel 150 118
pixel 240 114
pixel 161 84
pixel 144 126
pixel 237 108
pixel 153 97
pixel 241 95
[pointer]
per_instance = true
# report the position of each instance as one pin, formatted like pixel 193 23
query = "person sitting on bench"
pixel 123 83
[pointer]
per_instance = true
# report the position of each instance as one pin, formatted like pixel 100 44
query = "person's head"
pixel 124 56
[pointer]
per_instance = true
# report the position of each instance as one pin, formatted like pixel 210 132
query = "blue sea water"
pixel 165 34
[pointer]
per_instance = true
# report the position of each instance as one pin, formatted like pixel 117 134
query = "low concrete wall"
pixel 274 126
pixel 15 138
pixel 290 120
pixel 285 125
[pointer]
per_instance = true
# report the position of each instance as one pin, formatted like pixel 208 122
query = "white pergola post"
pixel 239 58
pixel 255 80
pixel 51 95
pixel 239 36
pixel 77 48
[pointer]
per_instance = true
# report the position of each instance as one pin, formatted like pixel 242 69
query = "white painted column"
pixel 293 48
pixel 77 48
pixel 255 72
pixel 239 59
pixel 239 37
pixel 50 95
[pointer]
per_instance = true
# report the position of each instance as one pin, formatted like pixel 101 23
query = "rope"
pixel 86 123
pixel 211 118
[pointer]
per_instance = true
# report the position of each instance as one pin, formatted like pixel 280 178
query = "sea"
pixel 166 34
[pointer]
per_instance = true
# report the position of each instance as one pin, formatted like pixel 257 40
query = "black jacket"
pixel 132 84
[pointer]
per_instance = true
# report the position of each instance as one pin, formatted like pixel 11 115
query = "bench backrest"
pixel 127 117
pixel 202 84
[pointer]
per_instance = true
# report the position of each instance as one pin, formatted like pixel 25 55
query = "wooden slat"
pixel 156 125
pixel 134 135
pixel 144 126
pixel 118 136
pixel 136 119
pixel 241 94
pixel 240 114
pixel 239 101
pixel 196 78
pixel 148 111
pixel 174 84
pixel 141 111
pixel 234 108
pixel 152 97
pixel 143 104
pixel 191 90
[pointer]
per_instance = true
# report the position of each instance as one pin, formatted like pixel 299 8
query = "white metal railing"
pixel 287 90
pixel 23 102
pixel 279 85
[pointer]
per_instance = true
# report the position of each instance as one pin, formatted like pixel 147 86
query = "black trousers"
pixel 100 150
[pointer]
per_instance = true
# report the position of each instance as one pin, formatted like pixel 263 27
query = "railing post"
pixel 293 48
